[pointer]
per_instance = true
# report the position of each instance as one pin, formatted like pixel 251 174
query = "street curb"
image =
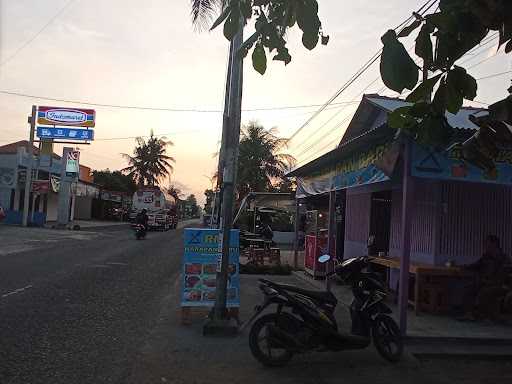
pixel 457 341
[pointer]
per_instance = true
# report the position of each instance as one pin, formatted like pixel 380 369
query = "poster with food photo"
pixel 199 264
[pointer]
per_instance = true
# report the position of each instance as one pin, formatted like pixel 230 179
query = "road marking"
pixel 16 291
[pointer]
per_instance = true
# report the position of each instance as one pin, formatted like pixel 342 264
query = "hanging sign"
pixel 41 186
pixel 66 116
pixel 65 133
pixel 72 167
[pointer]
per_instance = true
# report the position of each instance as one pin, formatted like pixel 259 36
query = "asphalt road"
pixel 75 307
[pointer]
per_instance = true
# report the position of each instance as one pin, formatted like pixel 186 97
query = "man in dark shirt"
pixel 142 218
pixel 490 279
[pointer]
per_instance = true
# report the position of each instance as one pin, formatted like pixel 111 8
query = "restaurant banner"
pixel 199 277
pixel 362 169
pixel 449 165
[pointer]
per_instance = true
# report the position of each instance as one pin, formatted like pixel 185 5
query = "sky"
pixel 128 52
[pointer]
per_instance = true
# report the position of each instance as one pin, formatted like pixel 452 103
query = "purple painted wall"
pixel 449 222
pixel 469 213
pixel 357 224
pixel 423 222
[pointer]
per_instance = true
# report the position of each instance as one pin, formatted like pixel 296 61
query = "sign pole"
pixel 28 179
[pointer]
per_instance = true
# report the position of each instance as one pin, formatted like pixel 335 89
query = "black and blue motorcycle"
pixel 304 320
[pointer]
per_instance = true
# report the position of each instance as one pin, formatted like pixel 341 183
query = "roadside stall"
pixel 445 205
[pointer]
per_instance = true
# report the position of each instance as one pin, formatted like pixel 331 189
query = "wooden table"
pixel 420 270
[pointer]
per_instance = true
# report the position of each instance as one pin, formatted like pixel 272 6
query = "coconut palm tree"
pixel 203 11
pixel 149 162
pixel 261 163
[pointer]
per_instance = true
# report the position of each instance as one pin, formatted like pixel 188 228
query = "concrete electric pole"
pixel 228 164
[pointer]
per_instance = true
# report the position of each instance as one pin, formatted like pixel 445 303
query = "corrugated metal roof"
pixel 460 120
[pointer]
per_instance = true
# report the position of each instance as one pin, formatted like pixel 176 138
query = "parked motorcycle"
pixel 304 320
pixel 140 231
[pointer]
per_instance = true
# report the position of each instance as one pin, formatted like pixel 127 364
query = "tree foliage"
pixel 444 37
pixel 261 164
pixel 210 197
pixel 149 163
pixel 114 181
pixel 272 19
pixel 191 203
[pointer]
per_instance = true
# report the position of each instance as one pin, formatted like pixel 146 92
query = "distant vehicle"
pixel 161 208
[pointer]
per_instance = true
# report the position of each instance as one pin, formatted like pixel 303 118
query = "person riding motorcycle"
pixel 142 219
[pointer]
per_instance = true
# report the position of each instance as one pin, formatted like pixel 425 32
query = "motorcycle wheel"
pixel 262 348
pixel 387 338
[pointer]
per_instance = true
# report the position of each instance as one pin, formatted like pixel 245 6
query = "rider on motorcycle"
pixel 142 219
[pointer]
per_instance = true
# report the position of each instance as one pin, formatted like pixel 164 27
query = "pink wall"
pixel 469 213
pixel 423 222
pixel 357 226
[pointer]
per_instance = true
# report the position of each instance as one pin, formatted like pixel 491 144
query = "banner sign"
pixel 448 165
pixel 41 186
pixel 72 167
pixel 200 264
pixel 65 133
pixel 55 182
pixel 66 116
pixel 7 177
pixel 373 166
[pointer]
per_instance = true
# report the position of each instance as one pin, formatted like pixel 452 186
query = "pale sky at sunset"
pixel 147 53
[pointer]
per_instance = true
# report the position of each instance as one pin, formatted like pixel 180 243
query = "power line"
pixel 429 4
pixel 29 41
pixel 128 137
pixel 136 107
pixel 494 75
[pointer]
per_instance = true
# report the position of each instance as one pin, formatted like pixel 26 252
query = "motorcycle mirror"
pixel 324 259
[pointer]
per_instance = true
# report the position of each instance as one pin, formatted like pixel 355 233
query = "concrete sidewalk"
pixel 436 336
pixel 180 354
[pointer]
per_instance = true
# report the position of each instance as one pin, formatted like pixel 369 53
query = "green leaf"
pixel 325 39
pixel 409 29
pixel 459 86
pixel 424 44
pixel 508 47
pixel 307 16
pixel 247 44
pixel 397 68
pixel 283 56
pixel 259 58
pixel 440 98
pixel 399 117
pixel 310 39
pixel 223 16
pixel 424 90
pixel 231 25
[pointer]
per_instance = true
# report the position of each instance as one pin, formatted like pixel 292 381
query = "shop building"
pixel 13 164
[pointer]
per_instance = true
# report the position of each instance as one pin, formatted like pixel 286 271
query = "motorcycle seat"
pixel 321 296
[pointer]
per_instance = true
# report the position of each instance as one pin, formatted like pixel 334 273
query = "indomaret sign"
pixel 76 117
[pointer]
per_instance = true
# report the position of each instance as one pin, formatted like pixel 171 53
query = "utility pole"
pixel 220 323
pixel 28 178
pixel 216 212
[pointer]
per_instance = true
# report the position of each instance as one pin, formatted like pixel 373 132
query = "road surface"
pixel 75 306
pixel 99 307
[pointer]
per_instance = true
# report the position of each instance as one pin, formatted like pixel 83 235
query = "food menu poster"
pixel 200 264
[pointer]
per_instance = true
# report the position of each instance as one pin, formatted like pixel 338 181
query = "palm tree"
pixel 149 162
pixel 203 11
pixel 261 164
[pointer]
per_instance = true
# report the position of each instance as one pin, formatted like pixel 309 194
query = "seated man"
pixel 484 297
